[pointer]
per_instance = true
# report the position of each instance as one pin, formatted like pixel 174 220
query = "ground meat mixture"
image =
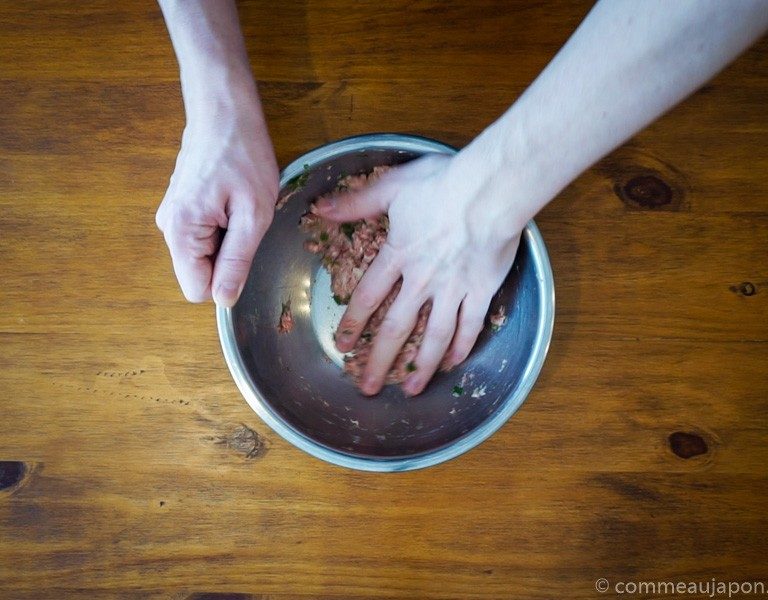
pixel 346 250
pixel 285 324
pixel 498 319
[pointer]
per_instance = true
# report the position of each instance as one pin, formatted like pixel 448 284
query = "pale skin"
pixel 226 175
pixel 455 222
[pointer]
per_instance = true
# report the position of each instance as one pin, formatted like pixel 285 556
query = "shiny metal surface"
pixel 294 380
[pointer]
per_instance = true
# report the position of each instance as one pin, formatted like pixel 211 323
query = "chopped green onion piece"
pixel 458 390
pixel 298 182
pixel 410 367
pixel 348 229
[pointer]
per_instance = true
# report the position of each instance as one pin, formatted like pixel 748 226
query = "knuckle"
pixel 472 317
pixel 393 262
pixel 202 246
pixel 192 239
pixel 190 210
pixel 252 221
pixel 210 247
pixel 264 213
pixel 160 218
pixel 440 332
pixel 349 323
pixel 473 325
pixel 366 299
pixel 245 221
pixel 461 352
pixel 394 329
pixel 467 339
pixel 390 256
pixel 464 343
pixel 186 214
pixel 418 284
pixel 234 262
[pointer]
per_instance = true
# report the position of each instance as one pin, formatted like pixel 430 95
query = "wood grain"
pixel 145 474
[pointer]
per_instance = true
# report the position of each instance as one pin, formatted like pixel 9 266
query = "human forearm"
pixel 455 222
pixel 628 63
pixel 213 63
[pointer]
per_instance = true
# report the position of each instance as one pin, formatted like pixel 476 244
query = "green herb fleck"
pixel 457 390
pixel 495 328
pixel 298 182
pixel 366 335
pixel 348 229
pixel 410 367
pixel 323 236
pixel 339 300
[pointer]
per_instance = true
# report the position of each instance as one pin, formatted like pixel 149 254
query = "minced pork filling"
pixel 347 249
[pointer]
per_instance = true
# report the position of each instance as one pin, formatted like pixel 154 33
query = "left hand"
pixel 452 239
pixel 220 201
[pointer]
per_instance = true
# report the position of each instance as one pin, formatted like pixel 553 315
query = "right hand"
pixel 220 202
pixel 453 236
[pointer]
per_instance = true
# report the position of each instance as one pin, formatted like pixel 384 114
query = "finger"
pixel 471 321
pixel 437 337
pixel 366 203
pixel 245 229
pixel 376 284
pixel 393 333
pixel 473 312
pixel 190 248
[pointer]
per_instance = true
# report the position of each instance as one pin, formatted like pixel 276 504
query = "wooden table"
pixel 640 455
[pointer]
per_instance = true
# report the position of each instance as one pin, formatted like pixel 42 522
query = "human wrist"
pixel 512 168
pixel 217 87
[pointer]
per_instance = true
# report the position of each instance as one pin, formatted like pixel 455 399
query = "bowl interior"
pixel 297 375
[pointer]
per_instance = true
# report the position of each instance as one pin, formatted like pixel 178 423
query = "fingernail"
pixel 412 385
pixel 369 386
pixel 325 203
pixel 343 340
pixel 227 293
pixel 455 359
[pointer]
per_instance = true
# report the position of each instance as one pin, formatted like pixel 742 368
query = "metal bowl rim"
pixel 545 325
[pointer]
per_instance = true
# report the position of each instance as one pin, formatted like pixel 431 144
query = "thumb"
pixel 364 203
pixel 245 230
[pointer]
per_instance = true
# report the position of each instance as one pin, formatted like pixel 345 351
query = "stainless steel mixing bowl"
pixel 294 381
